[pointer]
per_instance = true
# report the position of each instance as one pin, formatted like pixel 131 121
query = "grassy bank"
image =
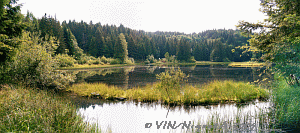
pixel 247 64
pixel 29 110
pixel 196 63
pixel 287 104
pixel 214 92
pixel 87 66
pixel 211 63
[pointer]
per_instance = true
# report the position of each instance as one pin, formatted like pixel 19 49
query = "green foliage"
pixel 34 65
pixel 279 35
pixel 130 61
pixel 30 110
pixel 191 60
pixel 287 106
pixel 71 44
pixel 147 61
pixel 167 55
pixel 10 27
pixel 115 61
pixel 151 59
pixel 213 92
pixel 104 59
pixel 64 60
pixel 83 59
pixel 184 53
pixel 121 51
pixel 170 83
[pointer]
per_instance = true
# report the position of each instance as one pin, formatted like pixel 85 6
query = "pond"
pixel 137 117
pixel 133 76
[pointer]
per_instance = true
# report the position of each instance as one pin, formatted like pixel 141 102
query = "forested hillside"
pixel 75 38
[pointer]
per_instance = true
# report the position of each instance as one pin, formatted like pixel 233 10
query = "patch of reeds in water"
pixel 30 110
pixel 214 92
pixel 257 121
pixel 286 114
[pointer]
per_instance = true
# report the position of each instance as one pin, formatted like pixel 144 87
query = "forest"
pixel 80 38
pixel 32 51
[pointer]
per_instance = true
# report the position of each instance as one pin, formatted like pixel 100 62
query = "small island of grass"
pixel 170 91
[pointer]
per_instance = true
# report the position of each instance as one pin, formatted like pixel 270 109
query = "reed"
pixel 211 93
pixel 30 110
pixel 286 113
pixel 247 64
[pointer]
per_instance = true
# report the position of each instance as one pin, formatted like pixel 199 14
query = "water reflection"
pixel 131 117
pixel 132 76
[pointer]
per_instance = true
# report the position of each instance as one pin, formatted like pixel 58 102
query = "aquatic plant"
pixel 210 93
pixel 31 110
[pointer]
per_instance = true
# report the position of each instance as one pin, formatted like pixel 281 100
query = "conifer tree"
pixel 120 49
pixel 10 26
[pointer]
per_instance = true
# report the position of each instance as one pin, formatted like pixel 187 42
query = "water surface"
pixel 132 117
pixel 132 76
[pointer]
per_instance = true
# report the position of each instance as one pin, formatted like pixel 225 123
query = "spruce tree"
pixel 120 49
pixel 10 26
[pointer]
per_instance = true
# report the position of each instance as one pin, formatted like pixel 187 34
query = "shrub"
pixel 192 60
pixel 151 58
pixel 64 60
pixel 34 65
pixel 104 60
pixel 96 61
pixel 147 61
pixel 83 59
pixel 170 83
pixel 130 61
pixel 115 61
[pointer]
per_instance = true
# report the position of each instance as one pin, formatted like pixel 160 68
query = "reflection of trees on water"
pixel 246 74
pixel 133 76
pixel 110 76
pixel 151 69
pixel 81 75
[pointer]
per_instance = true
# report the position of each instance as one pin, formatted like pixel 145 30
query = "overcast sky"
pixel 151 15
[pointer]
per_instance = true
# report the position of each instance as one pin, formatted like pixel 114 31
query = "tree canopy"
pixel 279 35
pixel 10 26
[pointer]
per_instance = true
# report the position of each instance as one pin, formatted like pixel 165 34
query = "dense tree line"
pixel 97 40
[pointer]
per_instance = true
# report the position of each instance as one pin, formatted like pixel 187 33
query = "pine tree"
pixel 120 49
pixel 184 50
pixel 10 26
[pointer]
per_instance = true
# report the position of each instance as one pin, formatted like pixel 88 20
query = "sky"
pixel 186 16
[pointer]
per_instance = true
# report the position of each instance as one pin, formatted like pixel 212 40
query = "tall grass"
pixel 214 92
pixel 287 104
pixel 246 122
pixel 30 110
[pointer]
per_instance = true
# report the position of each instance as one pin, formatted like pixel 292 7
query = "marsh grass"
pixel 210 93
pixel 247 64
pixel 93 66
pixel 287 104
pixel 240 122
pixel 30 110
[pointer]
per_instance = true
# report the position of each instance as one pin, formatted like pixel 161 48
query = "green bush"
pixel 151 59
pixel 130 61
pixel 97 62
pixel 147 61
pixel 170 82
pixel 34 65
pixel 104 59
pixel 64 60
pixel 192 60
pixel 83 59
pixel 115 61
